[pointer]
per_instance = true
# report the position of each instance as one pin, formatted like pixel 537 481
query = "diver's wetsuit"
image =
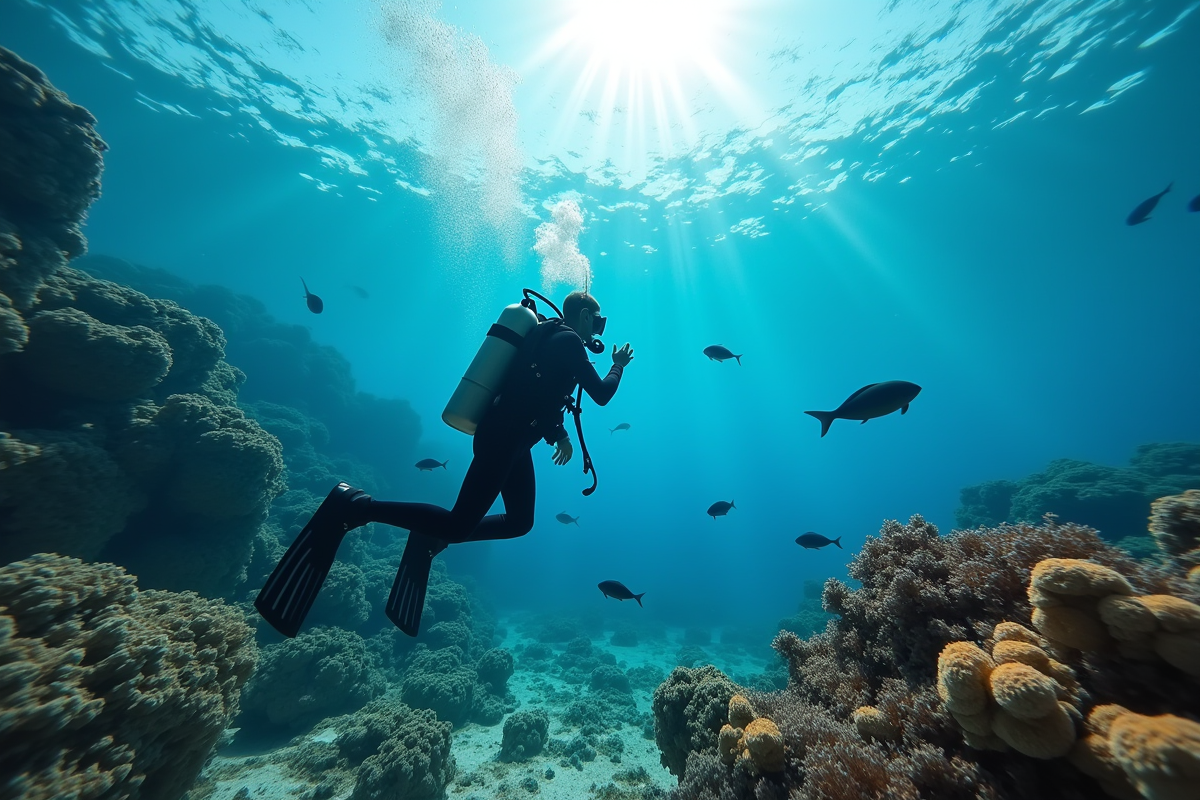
pixel 530 408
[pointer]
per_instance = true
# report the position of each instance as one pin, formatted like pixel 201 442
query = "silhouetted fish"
pixel 429 464
pixel 624 426
pixel 719 352
pixel 566 519
pixel 617 590
pixel 815 541
pixel 872 401
pixel 720 508
pixel 360 291
pixel 1194 204
pixel 315 304
pixel 1142 212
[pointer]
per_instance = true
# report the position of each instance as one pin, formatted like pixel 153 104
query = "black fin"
pixel 407 600
pixel 289 593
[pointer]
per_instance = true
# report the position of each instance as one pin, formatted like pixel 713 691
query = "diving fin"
pixel 407 600
pixel 290 591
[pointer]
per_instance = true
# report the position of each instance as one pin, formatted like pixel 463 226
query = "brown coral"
pixel 963 673
pixel 740 712
pixel 764 745
pixel 1023 691
pixel 1136 756
pixel 874 724
pixel 111 692
pixel 1175 526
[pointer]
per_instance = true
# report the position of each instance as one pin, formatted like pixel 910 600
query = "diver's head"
pixel 581 312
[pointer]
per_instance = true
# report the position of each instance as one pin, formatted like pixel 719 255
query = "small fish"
pixel 1194 204
pixel 361 292
pixel 1142 212
pixel 870 402
pixel 624 426
pixel 719 352
pixel 315 304
pixel 815 541
pixel 567 519
pixel 430 464
pixel 720 508
pixel 617 590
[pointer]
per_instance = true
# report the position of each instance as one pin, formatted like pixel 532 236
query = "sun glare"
pixel 645 37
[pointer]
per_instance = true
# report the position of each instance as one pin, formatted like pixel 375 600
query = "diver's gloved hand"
pixel 623 356
pixel 563 451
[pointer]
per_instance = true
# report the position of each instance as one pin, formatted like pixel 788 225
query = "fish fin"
pixel 1169 187
pixel 739 359
pixel 444 463
pixel 305 287
pixel 576 521
pixel 864 422
pixel 639 597
pixel 731 505
pixel 826 418
pixel 838 542
pixel 904 409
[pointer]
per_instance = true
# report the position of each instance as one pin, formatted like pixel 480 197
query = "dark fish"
pixel 719 352
pixel 872 401
pixel 617 590
pixel 815 541
pixel 361 292
pixel 1142 212
pixel 720 508
pixel 624 426
pixel 315 304
pixel 566 519
pixel 1194 205
pixel 429 464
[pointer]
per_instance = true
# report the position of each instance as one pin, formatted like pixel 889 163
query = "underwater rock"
pixel 112 691
pixel 1114 500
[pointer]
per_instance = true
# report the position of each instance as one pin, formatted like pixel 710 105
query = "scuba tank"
pixel 485 376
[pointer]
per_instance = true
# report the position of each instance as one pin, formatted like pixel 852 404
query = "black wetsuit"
pixel 530 407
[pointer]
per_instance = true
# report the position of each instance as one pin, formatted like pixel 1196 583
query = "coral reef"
pixel 439 680
pixel 525 734
pixel 1175 528
pixel 690 708
pixel 320 673
pixel 1114 500
pixel 1132 756
pixel 109 691
pixel 404 754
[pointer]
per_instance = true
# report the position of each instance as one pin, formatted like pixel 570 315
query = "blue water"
pixel 922 192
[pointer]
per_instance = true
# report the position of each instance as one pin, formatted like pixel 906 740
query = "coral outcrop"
pixel 403 754
pixel 1175 528
pixel 525 734
pixel 1114 500
pixel 690 708
pixel 109 691
pixel 1135 756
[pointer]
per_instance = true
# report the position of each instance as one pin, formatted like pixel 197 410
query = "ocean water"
pixel 842 193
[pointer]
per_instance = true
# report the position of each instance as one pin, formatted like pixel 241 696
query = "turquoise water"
pixel 845 193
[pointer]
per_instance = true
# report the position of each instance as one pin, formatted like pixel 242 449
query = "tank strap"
pixel 506 335
pixel 575 406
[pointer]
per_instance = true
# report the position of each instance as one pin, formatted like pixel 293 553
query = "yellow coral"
pixel 1072 576
pixel 1160 755
pixel 1070 626
pixel 1015 632
pixel 1023 691
pixel 1050 736
pixel 1126 617
pixel 1174 614
pixel 874 724
pixel 1012 651
pixel 764 745
pixel 729 744
pixel 1181 651
pixel 740 712
pixel 963 672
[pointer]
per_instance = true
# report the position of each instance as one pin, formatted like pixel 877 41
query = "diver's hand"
pixel 623 356
pixel 563 451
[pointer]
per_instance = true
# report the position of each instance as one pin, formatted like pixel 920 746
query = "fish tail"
pixel 305 285
pixel 838 542
pixel 739 359
pixel 576 521
pixel 639 597
pixel 444 463
pixel 1169 187
pixel 731 505
pixel 826 418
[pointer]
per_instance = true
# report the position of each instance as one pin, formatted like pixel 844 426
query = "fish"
pixel 567 519
pixel 315 304
pixel 624 426
pixel 361 292
pixel 815 541
pixel 719 352
pixel 1194 203
pixel 870 402
pixel 430 464
pixel 617 591
pixel 720 508
pixel 1142 212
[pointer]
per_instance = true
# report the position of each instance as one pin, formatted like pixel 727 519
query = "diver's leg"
pixel 519 493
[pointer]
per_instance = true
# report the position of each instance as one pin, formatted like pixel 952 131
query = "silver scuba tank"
pixel 485 376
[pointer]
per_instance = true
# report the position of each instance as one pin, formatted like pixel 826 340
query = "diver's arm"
pixel 601 390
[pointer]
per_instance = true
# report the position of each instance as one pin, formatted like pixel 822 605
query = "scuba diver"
pixel 511 396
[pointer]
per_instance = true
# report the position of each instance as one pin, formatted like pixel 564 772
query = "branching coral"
pixel 108 691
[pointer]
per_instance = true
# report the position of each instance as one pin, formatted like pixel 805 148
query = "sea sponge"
pixel 740 712
pixel 1023 691
pixel 764 745
pixel 109 691
pixel 874 724
pixel 963 672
